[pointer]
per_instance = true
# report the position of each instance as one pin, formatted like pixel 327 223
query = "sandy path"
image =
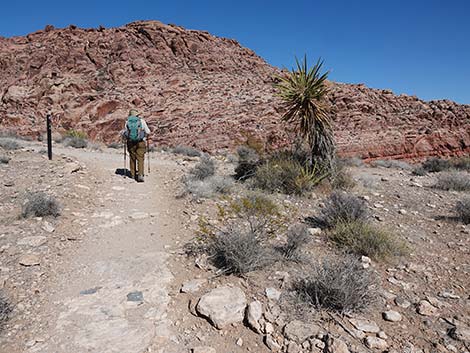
pixel 112 295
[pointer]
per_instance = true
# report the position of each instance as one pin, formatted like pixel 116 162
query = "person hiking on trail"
pixel 135 132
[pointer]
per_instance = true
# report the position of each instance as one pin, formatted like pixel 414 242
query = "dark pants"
pixel 136 154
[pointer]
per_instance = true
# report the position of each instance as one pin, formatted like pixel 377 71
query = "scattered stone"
pixel 299 331
pixel 223 306
pixel 335 345
pixel 90 291
pixel 254 311
pixel 138 215
pixel 293 348
pixel 382 335
pixel 72 168
pixel 314 231
pixel 375 343
pixel 33 241
pixel 239 342
pixel 47 227
pixel 192 286
pixel 118 188
pixel 426 309
pixel 460 333
pixel 365 261
pixel 402 303
pixel 448 295
pixel 391 315
pixel 273 293
pixel 203 350
pixel 272 344
pixel 136 296
pixel 29 260
pixel 365 325
pixel 268 328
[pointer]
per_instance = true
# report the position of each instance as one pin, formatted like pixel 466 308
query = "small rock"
pixel 33 241
pixel 365 325
pixel 448 295
pixel 382 335
pixel 192 285
pixel 314 231
pixel 272 344
pixel 299 331
pixel 203 350
pixel 268 328
pixel 89 291
pixel 273 293
pixel 293 348
pixel 29 260
pixel 402 211
pixel 47 227
pixel 426 309
pixel 335 345
pixel 138 215
pixel 239 342
pixel 391 315
pixel 402 303
pixel 254 311
pixel 223 306
pixel 375 343
pixel 136 296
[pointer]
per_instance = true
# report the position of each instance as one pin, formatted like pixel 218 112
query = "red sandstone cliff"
pixel 197 89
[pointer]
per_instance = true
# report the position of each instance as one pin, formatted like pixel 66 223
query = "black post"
pixel 49 137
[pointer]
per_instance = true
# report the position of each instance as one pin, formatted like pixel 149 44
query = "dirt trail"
pixel 112 295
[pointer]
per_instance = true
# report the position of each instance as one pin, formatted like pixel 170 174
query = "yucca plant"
pixel 303 92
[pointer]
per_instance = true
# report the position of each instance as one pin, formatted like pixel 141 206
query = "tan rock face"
pixel 197 89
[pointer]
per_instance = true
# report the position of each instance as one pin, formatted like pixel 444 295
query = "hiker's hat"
pixel 133 112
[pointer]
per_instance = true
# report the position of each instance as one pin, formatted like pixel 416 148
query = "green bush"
pixel 365 239
pixel 458 181
pixel 341 285
pixel 286 175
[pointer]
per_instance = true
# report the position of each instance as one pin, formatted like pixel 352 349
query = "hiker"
pixel 136 132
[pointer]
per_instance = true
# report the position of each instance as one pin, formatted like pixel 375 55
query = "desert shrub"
pixel 368 181
pixel 204 169
pixel 186 151
pixel 238 252
pixel 95 146
pixel 459 181
pixel 435 165
pixel 39 204
pixel 297 237
pixel 4 160
pixel 76 134
pixel 76 142
pixel 248 161
pixel 365 239
pixel 207 188
pixel 463 210
pixel 460 163
pixel 391 163
pixel 5 310
pixel 342 179
pixel 350 162
pixel 341 207
pixel 9 144
pixel 286 175
pixel 419 171
pixel 340 285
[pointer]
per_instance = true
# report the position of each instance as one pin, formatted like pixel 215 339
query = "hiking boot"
pixel 140 179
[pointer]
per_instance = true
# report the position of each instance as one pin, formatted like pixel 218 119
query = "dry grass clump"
pixel 239 242
pixel 463 210
pixel 454 180
pixel 340 284
pixel 350 162
pixel 5 310
pixel 204 169
pixel 76 142
pixel 39 204
pixel 365 239
pixel 9 144
pixel 297 237
pixel 391 163
pixel 435 165
pixel 209 187
pixel 186 151
pixel 341 207
pixel 115 145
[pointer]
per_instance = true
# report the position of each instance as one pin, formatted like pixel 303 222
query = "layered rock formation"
pixel 197 89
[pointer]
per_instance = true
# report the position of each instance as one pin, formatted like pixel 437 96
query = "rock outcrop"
pixel 200 90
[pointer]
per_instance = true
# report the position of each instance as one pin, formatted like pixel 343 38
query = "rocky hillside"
pixel 197 89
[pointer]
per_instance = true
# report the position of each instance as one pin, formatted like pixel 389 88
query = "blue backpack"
pixel 135 130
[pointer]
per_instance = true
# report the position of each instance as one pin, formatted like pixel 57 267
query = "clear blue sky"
pixel 419 47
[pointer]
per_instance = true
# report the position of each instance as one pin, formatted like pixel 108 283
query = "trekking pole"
pixel 125 164
pixel 148 154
